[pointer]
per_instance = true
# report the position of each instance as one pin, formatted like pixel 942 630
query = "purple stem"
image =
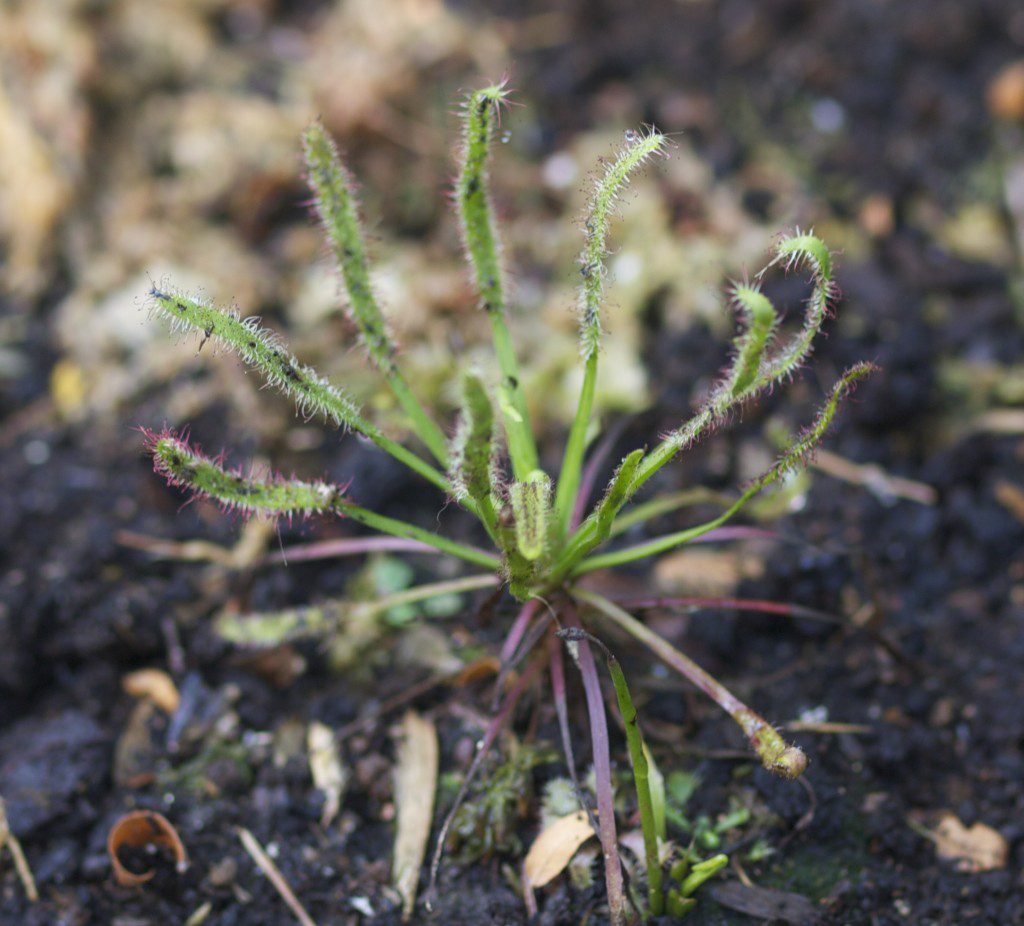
pixel 561 702
pixel 557 660
pixel 355 546
pixel 734 604
pixel 490 735
pixel 531 640
pixel 508 649
pixel 736 533
pixel 602 775
pixel 775 754
pixel 518 630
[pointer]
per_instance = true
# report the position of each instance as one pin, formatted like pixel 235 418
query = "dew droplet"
pixel 631 136
pixel 506 137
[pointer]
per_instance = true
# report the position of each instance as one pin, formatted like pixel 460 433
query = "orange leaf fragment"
pixel 148 831
pixel 154 684
pixel 554 848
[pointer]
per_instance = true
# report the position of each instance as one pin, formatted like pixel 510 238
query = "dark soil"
pixel 933 669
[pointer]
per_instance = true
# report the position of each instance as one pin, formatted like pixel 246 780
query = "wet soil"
pixel 929 670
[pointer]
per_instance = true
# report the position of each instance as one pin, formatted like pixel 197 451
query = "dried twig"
pixel 246 552
pixel 874 478
pixel 274 876
pixel 8 839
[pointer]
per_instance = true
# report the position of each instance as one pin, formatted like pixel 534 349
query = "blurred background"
pixel 158 142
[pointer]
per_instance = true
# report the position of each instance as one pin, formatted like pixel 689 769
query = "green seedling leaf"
pixel 760 850
pixel 384 575
pixel 701 872
pixel 657 785
pixel 737 818
pixel 677 905
pixel 681 787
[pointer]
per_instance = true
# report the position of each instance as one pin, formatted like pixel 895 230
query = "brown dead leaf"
pixel 766 903
pixel 329 775
pixel 415 788
pixel 476 670
pixel 135 753
pixel 974 849
pixel 154 684
pixel 875 479
pixel 554 848
pixel 701 572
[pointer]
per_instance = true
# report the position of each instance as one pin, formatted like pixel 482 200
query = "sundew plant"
pixel 547 528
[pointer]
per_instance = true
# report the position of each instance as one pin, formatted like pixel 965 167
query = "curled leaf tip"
pixel 495 93
pixel 792 763
pixel 776 754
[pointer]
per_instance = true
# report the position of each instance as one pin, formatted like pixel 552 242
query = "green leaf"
pixel 472 453
pixel 270 496
pixel 531 505
pixel 617 493
pixel 791 252
pixel 750 347
pixel 657 785
pixel 681 787
pixel 790 461
pixel 266 352
pixel 335 202
pixel 702 872
pixel 480 117
pixel 638 148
